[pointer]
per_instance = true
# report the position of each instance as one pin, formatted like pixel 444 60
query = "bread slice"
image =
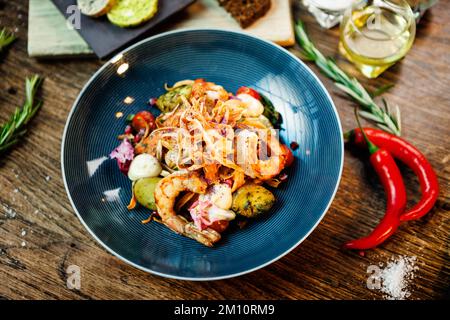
pixel 95 8
pixel 246 11
pixel 131 13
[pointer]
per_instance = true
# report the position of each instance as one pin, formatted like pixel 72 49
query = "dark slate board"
pixel 105 38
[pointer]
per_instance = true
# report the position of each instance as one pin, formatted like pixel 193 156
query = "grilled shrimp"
pixel 258 164
pixel 272 166
pixel 212 91
pixel 166 193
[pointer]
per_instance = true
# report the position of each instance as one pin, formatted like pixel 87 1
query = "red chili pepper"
pixel 392 181
pixel 414 159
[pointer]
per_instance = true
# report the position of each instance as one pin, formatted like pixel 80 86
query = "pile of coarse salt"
pixel 396 277
pixel 10 212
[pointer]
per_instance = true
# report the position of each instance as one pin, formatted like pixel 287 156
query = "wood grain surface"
pixel 44 236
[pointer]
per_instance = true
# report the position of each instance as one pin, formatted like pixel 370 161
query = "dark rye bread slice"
pixel 246 11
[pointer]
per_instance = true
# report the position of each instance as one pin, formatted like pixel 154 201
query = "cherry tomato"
pixel 141 119
pixel 289 157
pixel 199 80
pixel 220 226
pixel 249 91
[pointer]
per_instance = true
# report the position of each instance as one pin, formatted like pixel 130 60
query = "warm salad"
pixel 206 160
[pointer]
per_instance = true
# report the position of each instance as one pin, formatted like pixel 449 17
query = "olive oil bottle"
pixel 376 34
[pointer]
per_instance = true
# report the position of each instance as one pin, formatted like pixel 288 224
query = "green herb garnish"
pixel 270 112
pixel 6 38
pixel 379 91
pixel 129 117
pixel 383 117
pixel 11 131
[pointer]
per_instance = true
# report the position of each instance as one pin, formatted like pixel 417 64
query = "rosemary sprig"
pixel 383 117
pixel 12 130
pixel 6 38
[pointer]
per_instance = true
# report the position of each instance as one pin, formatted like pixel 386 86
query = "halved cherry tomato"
pixel 249 91
pixel 141 119
pixel 220 225
pixel 287 153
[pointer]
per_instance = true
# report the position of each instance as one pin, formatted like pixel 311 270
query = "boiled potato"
pixel 168 101
pixel 252 200
pixel 144 190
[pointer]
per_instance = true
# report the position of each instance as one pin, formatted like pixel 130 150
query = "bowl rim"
pixel 180 31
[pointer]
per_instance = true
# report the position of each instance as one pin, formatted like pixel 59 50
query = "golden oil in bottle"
pixel 376 35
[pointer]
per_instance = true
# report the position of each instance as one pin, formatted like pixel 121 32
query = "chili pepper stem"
pixel 372 148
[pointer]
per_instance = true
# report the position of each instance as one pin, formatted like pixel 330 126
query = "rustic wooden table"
pixel 45 237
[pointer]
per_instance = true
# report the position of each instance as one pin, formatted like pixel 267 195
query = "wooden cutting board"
pixel 48 35
pixel 276 25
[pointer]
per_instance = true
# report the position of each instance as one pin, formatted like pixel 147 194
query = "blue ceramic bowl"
pixel 99 193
